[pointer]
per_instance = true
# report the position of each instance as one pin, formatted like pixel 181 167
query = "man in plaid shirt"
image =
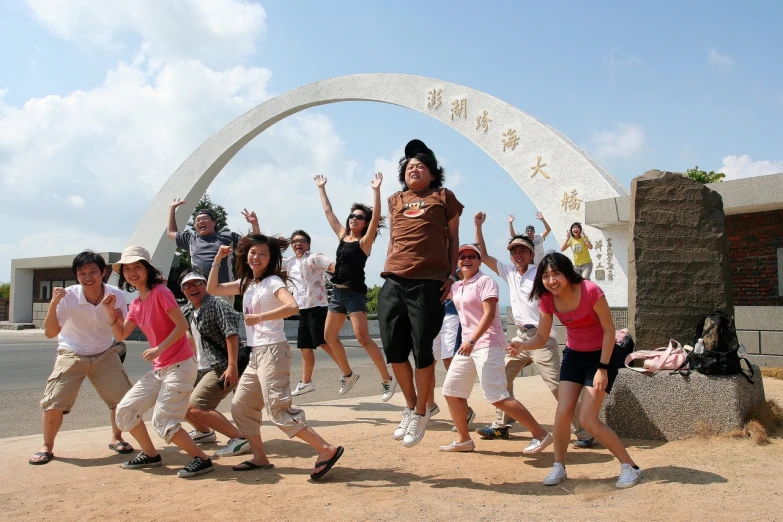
pixel 213 333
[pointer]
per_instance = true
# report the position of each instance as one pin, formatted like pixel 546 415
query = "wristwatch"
pixel 603 366
pixel 453 278
pixel 472 342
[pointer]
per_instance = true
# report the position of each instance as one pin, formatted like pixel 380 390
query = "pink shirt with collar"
pixel 468 297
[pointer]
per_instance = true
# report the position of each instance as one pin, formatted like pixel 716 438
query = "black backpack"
pixel 720 356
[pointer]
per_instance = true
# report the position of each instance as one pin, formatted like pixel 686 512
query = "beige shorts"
pixel 485 363
pixel 104 370
pixel 207 394
pixel 168 390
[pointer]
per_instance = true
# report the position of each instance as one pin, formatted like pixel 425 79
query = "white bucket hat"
pixel 131 254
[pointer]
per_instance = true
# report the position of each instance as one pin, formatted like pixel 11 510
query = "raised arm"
pixel 51 324
pixel 251 218
pixel 511 225
pixel 565 243
pixel 320 180
pixel 547 228
pixel 372 228
pixel 488 260
pixel 587 242
pixel 120 328
pixel 171 230
pixel 215 288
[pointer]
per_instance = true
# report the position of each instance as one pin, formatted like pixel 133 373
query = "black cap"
pixel 205 211
pixel 415 146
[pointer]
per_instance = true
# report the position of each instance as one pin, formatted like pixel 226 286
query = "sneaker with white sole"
pixel 471 416
pixel 629 476
pixel 346 383
pixel 556 476
pixel 388 388
pixel 416 430
pixel 196 467
pixel 236 446
pixel 434 410
pixel 468 445
pixel 537 446
pixel 402 429
pixel 302 388
pixel 142 460
pixel 201 437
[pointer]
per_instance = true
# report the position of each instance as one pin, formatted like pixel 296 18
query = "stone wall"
pixel 678 257
pixel 755 253
pixel 3 308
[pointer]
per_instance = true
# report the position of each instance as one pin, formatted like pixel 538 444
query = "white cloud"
pixel 214 31
pixel 76 201
pixel 613 63
pixel 737 167
pixel 716 58
pixel 622 142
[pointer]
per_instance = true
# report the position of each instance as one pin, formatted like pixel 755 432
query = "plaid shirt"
pixel 216 321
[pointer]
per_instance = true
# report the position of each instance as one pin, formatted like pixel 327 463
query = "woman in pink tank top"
pixel 582 308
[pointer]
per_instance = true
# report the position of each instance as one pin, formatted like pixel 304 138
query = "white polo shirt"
pixel 85 328
pixel 523 310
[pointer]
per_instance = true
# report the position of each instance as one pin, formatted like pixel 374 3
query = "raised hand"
pixel 222 252
pixel 320 180
pixel 108 303
pixel 540 216
pixel 57 294
pixel 250 217
pixel 479 218
pixel 511 218
pixel 176 203
pixel 375 183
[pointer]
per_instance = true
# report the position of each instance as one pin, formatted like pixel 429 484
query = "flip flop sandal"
pixel 122 448
pixel 328 463
pixel 249 466
pixel 49 457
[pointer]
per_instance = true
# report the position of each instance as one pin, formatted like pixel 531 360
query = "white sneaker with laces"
pixel 201 437
pixel 416 430
pixel 556 476
pixel 388 387
pixel 537 446
pixel 346 383
pixel 235 446
pixel 433 411
pixel 402 429
pixel 629 476
pixel 303 388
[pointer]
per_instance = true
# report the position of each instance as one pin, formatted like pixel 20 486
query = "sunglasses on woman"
pixel 360 217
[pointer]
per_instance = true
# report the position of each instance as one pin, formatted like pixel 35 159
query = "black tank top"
pixel 349 266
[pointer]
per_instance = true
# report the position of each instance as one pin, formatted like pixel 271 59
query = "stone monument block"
pixel 678 258
pixel 663 406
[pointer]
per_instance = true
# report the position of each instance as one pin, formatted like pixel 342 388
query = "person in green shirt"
pixel 580 245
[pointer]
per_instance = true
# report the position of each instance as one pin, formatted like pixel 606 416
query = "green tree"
pixel 372 299
pixel 704 177
pixel 5 290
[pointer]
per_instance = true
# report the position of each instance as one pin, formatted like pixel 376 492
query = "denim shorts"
pixel 347 301
pixel 580 367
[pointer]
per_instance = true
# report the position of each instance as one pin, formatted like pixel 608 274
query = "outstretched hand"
pixel 250 217
pixel 176 203
pixel 511 218
pixel 375 183
pixel 479 218
pixel 320 180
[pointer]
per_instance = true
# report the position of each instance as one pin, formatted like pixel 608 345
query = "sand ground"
pixel 379 479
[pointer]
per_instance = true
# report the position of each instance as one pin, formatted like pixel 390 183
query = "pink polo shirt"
pixel 468 297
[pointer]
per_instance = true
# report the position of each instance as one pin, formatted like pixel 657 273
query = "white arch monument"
pixel 554 173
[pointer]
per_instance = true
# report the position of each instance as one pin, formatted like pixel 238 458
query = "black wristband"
pixel 603 366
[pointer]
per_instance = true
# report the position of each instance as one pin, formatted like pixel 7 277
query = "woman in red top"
pixel 582 308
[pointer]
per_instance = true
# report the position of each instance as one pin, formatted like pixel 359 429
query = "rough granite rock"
pixel 678 258
pixel 667 407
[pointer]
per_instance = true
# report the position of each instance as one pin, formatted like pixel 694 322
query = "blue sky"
pixel 99 106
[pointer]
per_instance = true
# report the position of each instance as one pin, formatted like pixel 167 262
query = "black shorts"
pixel 312 322
pixel 580 367
pixel 410 316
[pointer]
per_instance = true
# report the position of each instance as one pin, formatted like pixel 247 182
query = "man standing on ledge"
pixel 204 244
pixel 419 272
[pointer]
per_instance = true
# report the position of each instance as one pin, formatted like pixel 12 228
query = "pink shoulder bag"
pixel 670 358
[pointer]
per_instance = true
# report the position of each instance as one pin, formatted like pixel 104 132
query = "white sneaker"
pixel 402 429
pixel 235 446
pixel 471 416
pixel 433 411
pixel 556 476
pixel 303 388
pixel 537 446
pixel 346 383
pixel 629 476
pixel 416 430
pixel 201 437
pixel 388 387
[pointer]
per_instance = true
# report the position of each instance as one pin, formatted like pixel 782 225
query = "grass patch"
pixel 766 421
pixel 774 373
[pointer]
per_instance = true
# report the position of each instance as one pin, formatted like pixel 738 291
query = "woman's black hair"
pixel 301 233
pixel 576 224
pixel 277 246
pixel 368 214
pixel 154 277
pixel 438 174
pixel 87 257
pixel 559 263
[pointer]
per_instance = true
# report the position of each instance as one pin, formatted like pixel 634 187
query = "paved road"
pixel 26 363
